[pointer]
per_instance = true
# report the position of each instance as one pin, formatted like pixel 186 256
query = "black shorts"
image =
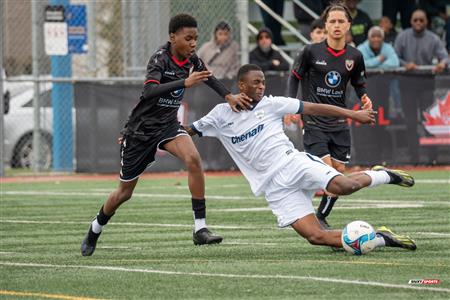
pixel 137 153
pixel 336 144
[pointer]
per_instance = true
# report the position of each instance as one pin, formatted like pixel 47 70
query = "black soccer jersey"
pixel 163 92
pixel 327 73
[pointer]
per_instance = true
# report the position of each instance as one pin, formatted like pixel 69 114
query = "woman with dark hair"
pixel 221 53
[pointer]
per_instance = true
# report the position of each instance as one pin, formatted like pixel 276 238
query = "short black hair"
pixel 317 23
pixel 181 20
pixel 247 68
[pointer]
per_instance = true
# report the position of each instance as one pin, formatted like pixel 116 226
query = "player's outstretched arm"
pixel 196 78
pixel 362 116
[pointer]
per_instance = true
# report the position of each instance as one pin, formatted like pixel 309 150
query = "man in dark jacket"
pixel 264 56
pixel 361 22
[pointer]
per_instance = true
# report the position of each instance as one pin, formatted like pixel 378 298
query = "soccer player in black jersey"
pixel 324 69
pixel 153 125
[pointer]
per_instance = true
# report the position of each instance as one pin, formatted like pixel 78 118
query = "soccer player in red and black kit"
pixel 324 69
pixel 153 125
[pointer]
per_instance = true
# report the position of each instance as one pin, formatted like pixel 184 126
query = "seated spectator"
pixel 264 56
pixel 377 53
pixel 317 32
pixel 221 54
pixel 418 46
pixel 389 31
pixel 360 24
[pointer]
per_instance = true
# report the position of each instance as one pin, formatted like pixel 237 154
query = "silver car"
pixel 19 125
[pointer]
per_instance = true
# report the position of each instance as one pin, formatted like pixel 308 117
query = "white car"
pixel 19 126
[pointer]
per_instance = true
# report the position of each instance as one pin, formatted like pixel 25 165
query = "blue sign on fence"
pixel 77 28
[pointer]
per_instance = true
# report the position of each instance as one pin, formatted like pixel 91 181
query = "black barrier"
pixel 413 122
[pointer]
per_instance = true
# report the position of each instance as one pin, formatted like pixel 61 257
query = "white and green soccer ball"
pixel 358 238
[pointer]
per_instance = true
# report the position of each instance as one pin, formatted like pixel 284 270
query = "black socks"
pixel 325 206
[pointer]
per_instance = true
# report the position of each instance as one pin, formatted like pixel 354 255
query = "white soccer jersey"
pixel 255 139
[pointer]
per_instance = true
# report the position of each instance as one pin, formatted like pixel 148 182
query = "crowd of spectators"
pixel 419 38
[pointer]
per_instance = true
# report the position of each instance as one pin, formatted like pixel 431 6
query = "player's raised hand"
pixel 239 102
pixel 196 78
pixel 364 116
pixel 367 103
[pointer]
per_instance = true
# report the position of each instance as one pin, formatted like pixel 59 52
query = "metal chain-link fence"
pixel 108 40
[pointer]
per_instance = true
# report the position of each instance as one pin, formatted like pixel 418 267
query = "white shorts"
pixel 289 193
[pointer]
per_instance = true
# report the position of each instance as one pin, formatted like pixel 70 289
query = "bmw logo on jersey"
pixel 177 93
pixel 333 79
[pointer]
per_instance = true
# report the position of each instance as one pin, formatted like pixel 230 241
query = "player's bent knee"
pixel 342 185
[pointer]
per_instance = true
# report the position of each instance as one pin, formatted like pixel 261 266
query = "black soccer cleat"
pixel 398 177
pixel 206 237
pixel 89 242
pixel 392 239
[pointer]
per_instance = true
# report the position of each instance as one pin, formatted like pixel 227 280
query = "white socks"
pixel 199 224
pixel 378 177
pixel 96 228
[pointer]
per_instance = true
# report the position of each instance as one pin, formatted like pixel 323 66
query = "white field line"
pixel 223 275
pixel 188 196
pixel 434 233
pixel 126 224
pixel 442 234
pixel 446 181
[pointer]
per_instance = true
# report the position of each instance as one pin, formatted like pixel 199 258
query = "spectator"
pixel 392 7
pixel 389 31
pixel 221 54
pixel 436 14
pixel 360 24
pixel 317 31
pixel 303 18
pixel 377 53
pixel 418 46
pixel 264 56
pixel 277 6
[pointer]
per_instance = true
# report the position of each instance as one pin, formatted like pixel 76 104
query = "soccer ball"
pixel 358 238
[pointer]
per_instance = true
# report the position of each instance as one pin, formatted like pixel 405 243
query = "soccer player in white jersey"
pixel 257 143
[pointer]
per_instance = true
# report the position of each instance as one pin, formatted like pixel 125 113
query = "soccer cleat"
pixel 206 237
pixel 89 242
pixel 392 239
pixel 398 177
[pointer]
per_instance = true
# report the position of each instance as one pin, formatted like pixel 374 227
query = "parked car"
pixel 6 94
pixel 19 124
